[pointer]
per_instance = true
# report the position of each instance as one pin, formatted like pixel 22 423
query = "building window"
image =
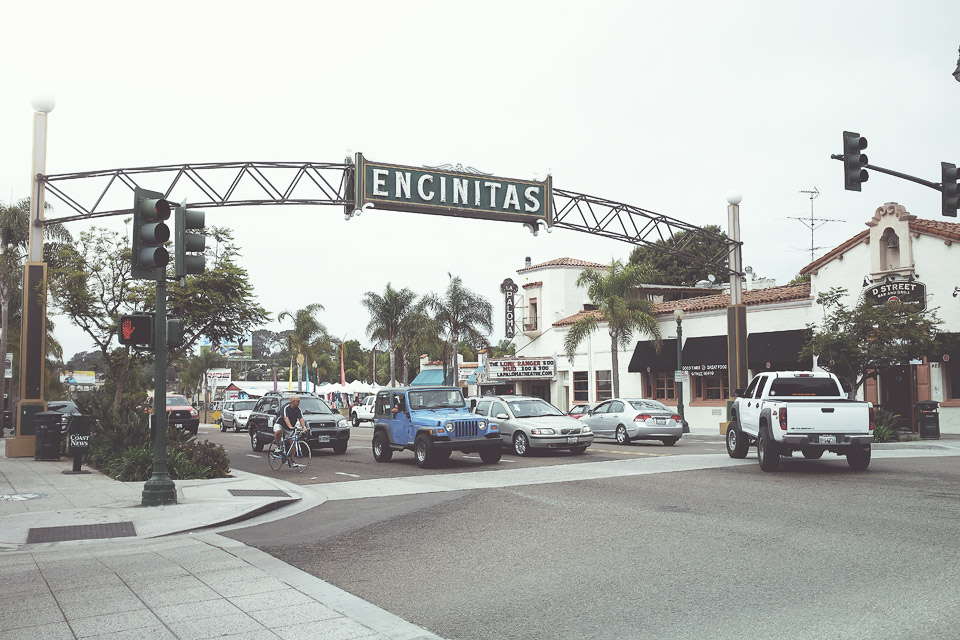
pixel 660 386
pixel 951 379
pixel 581 386
pixel 604 385
pixel 713 387
pixel 530 324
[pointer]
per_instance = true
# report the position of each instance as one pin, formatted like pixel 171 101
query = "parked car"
pixel 328 429
pixel 363 411
pixel 527 423
pixel 65 407
pixel 235 414
pixel 627 419
pixel 578 410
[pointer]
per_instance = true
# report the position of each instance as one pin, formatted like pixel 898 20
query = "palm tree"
pixel 14 244
pixel 306 329
pixel 461 314
pixel 387 313
pixel 614 293
pixel 416 330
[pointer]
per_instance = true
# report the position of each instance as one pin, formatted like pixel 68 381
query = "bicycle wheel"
pixel 274 460
pixel 302 455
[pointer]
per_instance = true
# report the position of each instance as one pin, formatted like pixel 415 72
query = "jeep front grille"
pixel 465 429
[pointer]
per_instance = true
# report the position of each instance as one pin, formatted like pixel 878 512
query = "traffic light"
pixel 854 161
pixel 174 332
pixel 949 189
pixel 185 242
pixel 150 232
pixel 136 330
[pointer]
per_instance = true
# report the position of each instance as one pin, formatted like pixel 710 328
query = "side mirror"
pixel 502 416
pixel 738 393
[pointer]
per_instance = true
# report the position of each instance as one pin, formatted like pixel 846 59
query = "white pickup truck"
pixel 363 411
pixel 787 411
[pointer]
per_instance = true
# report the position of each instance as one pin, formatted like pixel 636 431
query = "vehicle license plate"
pixel 324 438
pixel 661 421
pixel 828 439
pixel 571 441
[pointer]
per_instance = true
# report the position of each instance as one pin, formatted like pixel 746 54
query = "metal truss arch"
pixel 328 183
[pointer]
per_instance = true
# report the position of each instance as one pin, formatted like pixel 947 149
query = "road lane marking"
pixel 253 455
pixel 341 473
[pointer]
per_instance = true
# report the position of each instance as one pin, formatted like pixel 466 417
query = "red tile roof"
pixel 564 262
pixel 530 285
pixel 716 301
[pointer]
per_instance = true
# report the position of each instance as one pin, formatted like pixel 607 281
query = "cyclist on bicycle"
pixel 289 419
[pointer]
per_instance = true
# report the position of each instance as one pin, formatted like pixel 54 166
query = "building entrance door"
pixel 896 394
pixel 540 390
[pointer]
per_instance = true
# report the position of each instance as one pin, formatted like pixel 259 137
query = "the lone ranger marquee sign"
pixel 443 192
pixel 907 292
pixel 513 369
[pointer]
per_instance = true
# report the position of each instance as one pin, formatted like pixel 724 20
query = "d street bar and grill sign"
pixel 906 292
pixel 443 192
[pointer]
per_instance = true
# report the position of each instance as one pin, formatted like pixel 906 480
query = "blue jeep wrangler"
pixel 432 422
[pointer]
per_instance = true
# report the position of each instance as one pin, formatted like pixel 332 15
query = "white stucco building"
pixel 897 249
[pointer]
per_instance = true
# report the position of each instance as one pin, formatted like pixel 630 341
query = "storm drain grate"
pixel 271 493
pixel 81 532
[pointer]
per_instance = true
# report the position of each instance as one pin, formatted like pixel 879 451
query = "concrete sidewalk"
pixel 80 558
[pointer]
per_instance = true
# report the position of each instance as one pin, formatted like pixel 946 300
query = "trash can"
pixel 47 435
pixel 928 419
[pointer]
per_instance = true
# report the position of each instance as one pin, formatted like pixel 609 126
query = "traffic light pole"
pixel 933 185
pixel 160 489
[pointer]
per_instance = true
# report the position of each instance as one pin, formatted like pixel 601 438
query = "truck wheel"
pixel 491 455
pixel 381 448
pixel 255 443
pixel 811 453
pixel 521 446
pixel 859 459
pixel 737 443
pixel 356 420
pixel 622 437
pixel 423 451
pixel 767 451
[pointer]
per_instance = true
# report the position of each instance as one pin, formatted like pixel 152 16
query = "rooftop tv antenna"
pixel 811 222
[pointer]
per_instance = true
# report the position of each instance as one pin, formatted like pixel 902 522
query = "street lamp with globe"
pixel 678 314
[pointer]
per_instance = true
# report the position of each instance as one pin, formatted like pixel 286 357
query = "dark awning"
pixel 777 350
pixel 705 354
pixel 645 357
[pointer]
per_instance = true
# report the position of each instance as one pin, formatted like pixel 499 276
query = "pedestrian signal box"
pixel 136 330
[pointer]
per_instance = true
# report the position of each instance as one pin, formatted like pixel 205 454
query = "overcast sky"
pixel 662 105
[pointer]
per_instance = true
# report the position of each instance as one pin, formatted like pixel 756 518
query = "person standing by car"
pixel 289 419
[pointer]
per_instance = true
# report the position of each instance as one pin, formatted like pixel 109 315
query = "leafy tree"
pixel 800 279
pixel 418 332
pixel 461 314
pixel 614 292
pixel 387 313
pixel 503 349
pixel 664 268
pixel 865 341
pixel 306 330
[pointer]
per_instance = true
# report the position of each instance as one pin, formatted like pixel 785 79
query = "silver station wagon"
pixel 635 419
pixel 528 423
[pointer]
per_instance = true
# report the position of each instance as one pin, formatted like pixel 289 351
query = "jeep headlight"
pixel 543 431
pixel 482 424
pixel 343 423
pixel 449 427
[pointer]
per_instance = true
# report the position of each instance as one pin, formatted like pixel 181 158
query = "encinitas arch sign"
pixel 452 193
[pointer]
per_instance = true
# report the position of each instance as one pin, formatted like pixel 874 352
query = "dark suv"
pixel 328 429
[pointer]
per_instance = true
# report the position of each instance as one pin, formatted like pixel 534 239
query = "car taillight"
pixel 871 418
pixel 643 417
pixel 782 415
pixel 676 418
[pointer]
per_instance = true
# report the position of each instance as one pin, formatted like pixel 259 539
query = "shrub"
pixel 132 464
pixel 886 425
pixel 210 460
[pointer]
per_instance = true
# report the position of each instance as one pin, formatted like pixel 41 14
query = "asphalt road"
pixel 814 551
pixel 358 463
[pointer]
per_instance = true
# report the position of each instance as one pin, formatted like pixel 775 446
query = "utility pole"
pixel 812 222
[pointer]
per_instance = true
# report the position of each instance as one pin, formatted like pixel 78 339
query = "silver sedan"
pixel 628 419
pixel 528 423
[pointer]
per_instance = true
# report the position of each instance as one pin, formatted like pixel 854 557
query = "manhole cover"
pixel 81 532
pixel 271 493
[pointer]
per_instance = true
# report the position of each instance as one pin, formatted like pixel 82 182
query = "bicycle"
pixel 292 450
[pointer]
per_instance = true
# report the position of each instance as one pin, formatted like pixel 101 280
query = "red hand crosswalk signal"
pixel 136 330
